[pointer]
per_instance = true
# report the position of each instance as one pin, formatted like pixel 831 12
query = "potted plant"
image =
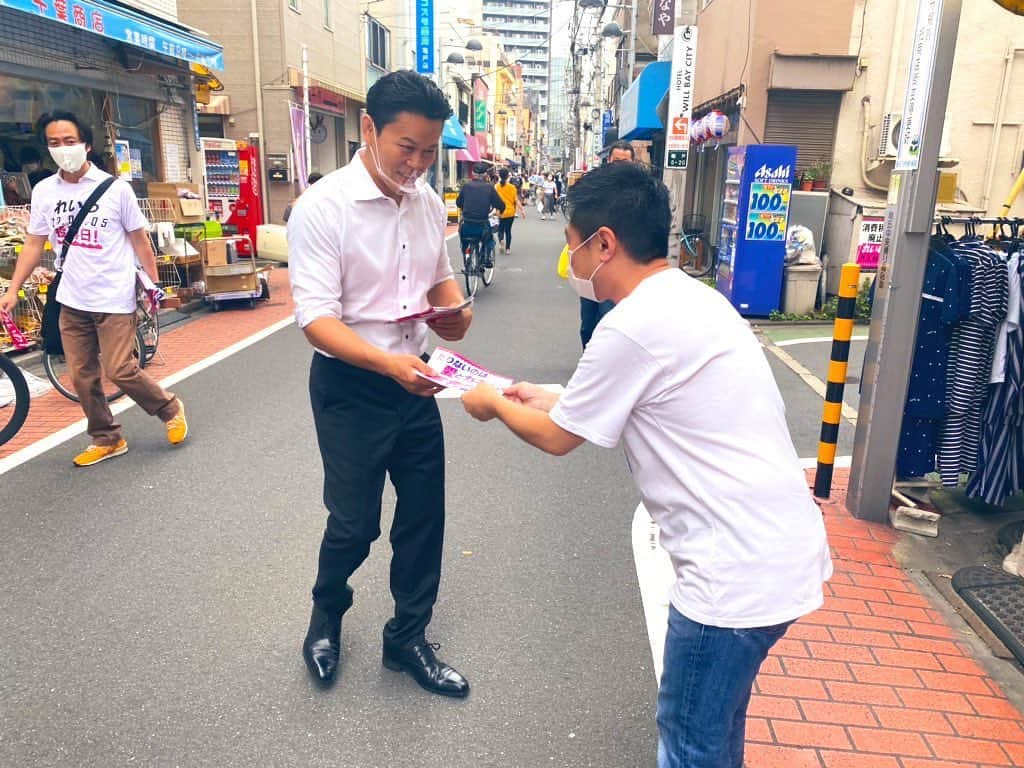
pixel 822 174
pixel 807 181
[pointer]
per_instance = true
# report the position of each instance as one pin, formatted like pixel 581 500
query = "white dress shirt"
pixel 356 255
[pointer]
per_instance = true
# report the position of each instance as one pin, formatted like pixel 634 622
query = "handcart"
pixel 241 279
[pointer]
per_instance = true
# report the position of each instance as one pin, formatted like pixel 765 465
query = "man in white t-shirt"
pixel 97 287
pixel 675 374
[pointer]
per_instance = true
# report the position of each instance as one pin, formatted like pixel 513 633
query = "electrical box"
pixel 279 168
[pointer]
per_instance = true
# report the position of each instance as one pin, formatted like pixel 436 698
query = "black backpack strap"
pixel 80 217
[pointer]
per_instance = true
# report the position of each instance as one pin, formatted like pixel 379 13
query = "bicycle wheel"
pixel 56 368
pixel 149 327
pixel 487 272
pixel 469 267
pixel 14 399
pixel 696 255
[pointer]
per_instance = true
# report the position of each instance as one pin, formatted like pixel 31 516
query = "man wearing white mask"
pixel 98 284
pixel 676 375
pixel 367 246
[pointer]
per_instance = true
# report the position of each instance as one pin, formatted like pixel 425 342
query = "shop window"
pixel 135 121
pixel 378 44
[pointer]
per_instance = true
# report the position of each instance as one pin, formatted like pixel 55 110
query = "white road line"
pixel 809 378
pixel 40 447
pixel 813 340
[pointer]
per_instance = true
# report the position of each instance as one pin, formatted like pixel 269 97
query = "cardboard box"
pixel 231 283
pixel 187 210
pixel 215 251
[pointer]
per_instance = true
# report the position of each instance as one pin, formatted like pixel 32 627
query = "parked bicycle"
pixel 14 399
pixel 697 256
pixel 147 339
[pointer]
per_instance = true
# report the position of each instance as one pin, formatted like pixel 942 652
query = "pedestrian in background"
pixel 550 195
pixel 366 245
pixel 705 436
pixel 97 289
pixel 312 179
pixel 591 312
pixel 510 197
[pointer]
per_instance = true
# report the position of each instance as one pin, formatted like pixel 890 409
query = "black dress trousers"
pixel 367 427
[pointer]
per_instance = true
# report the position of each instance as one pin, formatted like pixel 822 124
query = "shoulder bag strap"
pixel 82 213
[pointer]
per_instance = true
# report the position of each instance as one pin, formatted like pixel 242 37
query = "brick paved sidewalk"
pixel 179 348
pixel 876 678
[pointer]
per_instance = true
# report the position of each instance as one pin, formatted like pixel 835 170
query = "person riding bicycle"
pixel 475 200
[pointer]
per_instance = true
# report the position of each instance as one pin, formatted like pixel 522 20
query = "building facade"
pixel 263 40
pixel 524 28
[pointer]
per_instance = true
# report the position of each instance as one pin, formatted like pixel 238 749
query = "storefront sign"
pixel 768 211
pixel 124 160
pixel 425 37
pixel 869 243
pixel 663 17
pixel 680 98
pixel 126 26
pixel 919 85
pixel 299 128
pixel 479 105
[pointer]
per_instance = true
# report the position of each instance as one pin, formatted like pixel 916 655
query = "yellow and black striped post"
pixel 841 334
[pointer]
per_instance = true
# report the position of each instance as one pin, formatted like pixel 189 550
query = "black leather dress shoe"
pixel 322 647
pixel 432 674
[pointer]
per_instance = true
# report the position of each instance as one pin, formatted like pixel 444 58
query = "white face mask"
pixel 408 187
pixel 584 288
pixel 69 159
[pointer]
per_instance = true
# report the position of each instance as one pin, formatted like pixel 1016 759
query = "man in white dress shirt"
pixel 367 246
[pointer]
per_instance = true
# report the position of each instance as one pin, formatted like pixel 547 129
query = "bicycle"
pixel 147 339
pixel 14 399
pixel 478 260
pixel 697 256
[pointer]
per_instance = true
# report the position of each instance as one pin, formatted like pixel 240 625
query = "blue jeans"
pixel 705 689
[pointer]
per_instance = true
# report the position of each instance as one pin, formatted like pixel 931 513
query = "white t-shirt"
pixel 99 272
pixel 677 374
pixel 549 188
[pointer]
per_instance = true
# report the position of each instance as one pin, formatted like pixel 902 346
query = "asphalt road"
pixel 153 606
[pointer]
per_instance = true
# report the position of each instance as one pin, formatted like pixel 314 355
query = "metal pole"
pixel 308 144
pixel 258 73
pixel 901 272
pixel 632 32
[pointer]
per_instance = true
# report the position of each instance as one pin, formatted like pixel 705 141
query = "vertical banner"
pixel 680 98
pixel 299 128
pixel 425 37
pixel 919 85
pixel 663 17
pixel 479 105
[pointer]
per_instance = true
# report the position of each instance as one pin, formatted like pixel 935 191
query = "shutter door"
pixel 807 119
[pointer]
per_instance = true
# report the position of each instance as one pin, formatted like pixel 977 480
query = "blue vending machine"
pixel 755 214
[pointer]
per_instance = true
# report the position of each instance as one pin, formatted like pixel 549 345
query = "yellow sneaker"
pixel 177 428
pixel 94 454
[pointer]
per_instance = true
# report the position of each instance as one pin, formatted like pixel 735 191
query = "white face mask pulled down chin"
pixel 69 159
pixel 584 288
pixel 407 187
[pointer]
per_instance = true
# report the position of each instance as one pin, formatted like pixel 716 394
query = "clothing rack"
pixel 978 220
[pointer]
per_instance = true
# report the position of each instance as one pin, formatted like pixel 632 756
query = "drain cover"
pixel 998 599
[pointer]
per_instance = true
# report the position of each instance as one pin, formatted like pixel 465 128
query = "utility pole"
pixel 675 177
pixel 901 269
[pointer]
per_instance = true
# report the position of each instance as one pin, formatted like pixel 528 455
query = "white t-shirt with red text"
pixel 99 271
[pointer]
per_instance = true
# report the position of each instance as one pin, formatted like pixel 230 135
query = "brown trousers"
pixel 92 337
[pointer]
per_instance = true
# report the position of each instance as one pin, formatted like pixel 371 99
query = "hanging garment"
pixel 970 360
pixel 926 395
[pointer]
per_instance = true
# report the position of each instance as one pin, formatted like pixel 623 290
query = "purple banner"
pixel 663 17
pixel 299 129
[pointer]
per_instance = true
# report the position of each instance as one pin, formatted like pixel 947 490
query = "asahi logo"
pixel 780 173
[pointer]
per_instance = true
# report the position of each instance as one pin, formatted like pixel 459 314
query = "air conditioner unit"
pixel 889 140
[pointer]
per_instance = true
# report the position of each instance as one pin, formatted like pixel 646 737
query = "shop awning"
pixel 638 117
pixel 453 136
pixel 116 22
pixel 471 154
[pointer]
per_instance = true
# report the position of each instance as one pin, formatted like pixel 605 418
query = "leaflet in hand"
pixel 457 372
pixel 434 312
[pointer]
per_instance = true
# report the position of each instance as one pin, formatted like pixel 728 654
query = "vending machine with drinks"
pixel 755 216
pixel 231 175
